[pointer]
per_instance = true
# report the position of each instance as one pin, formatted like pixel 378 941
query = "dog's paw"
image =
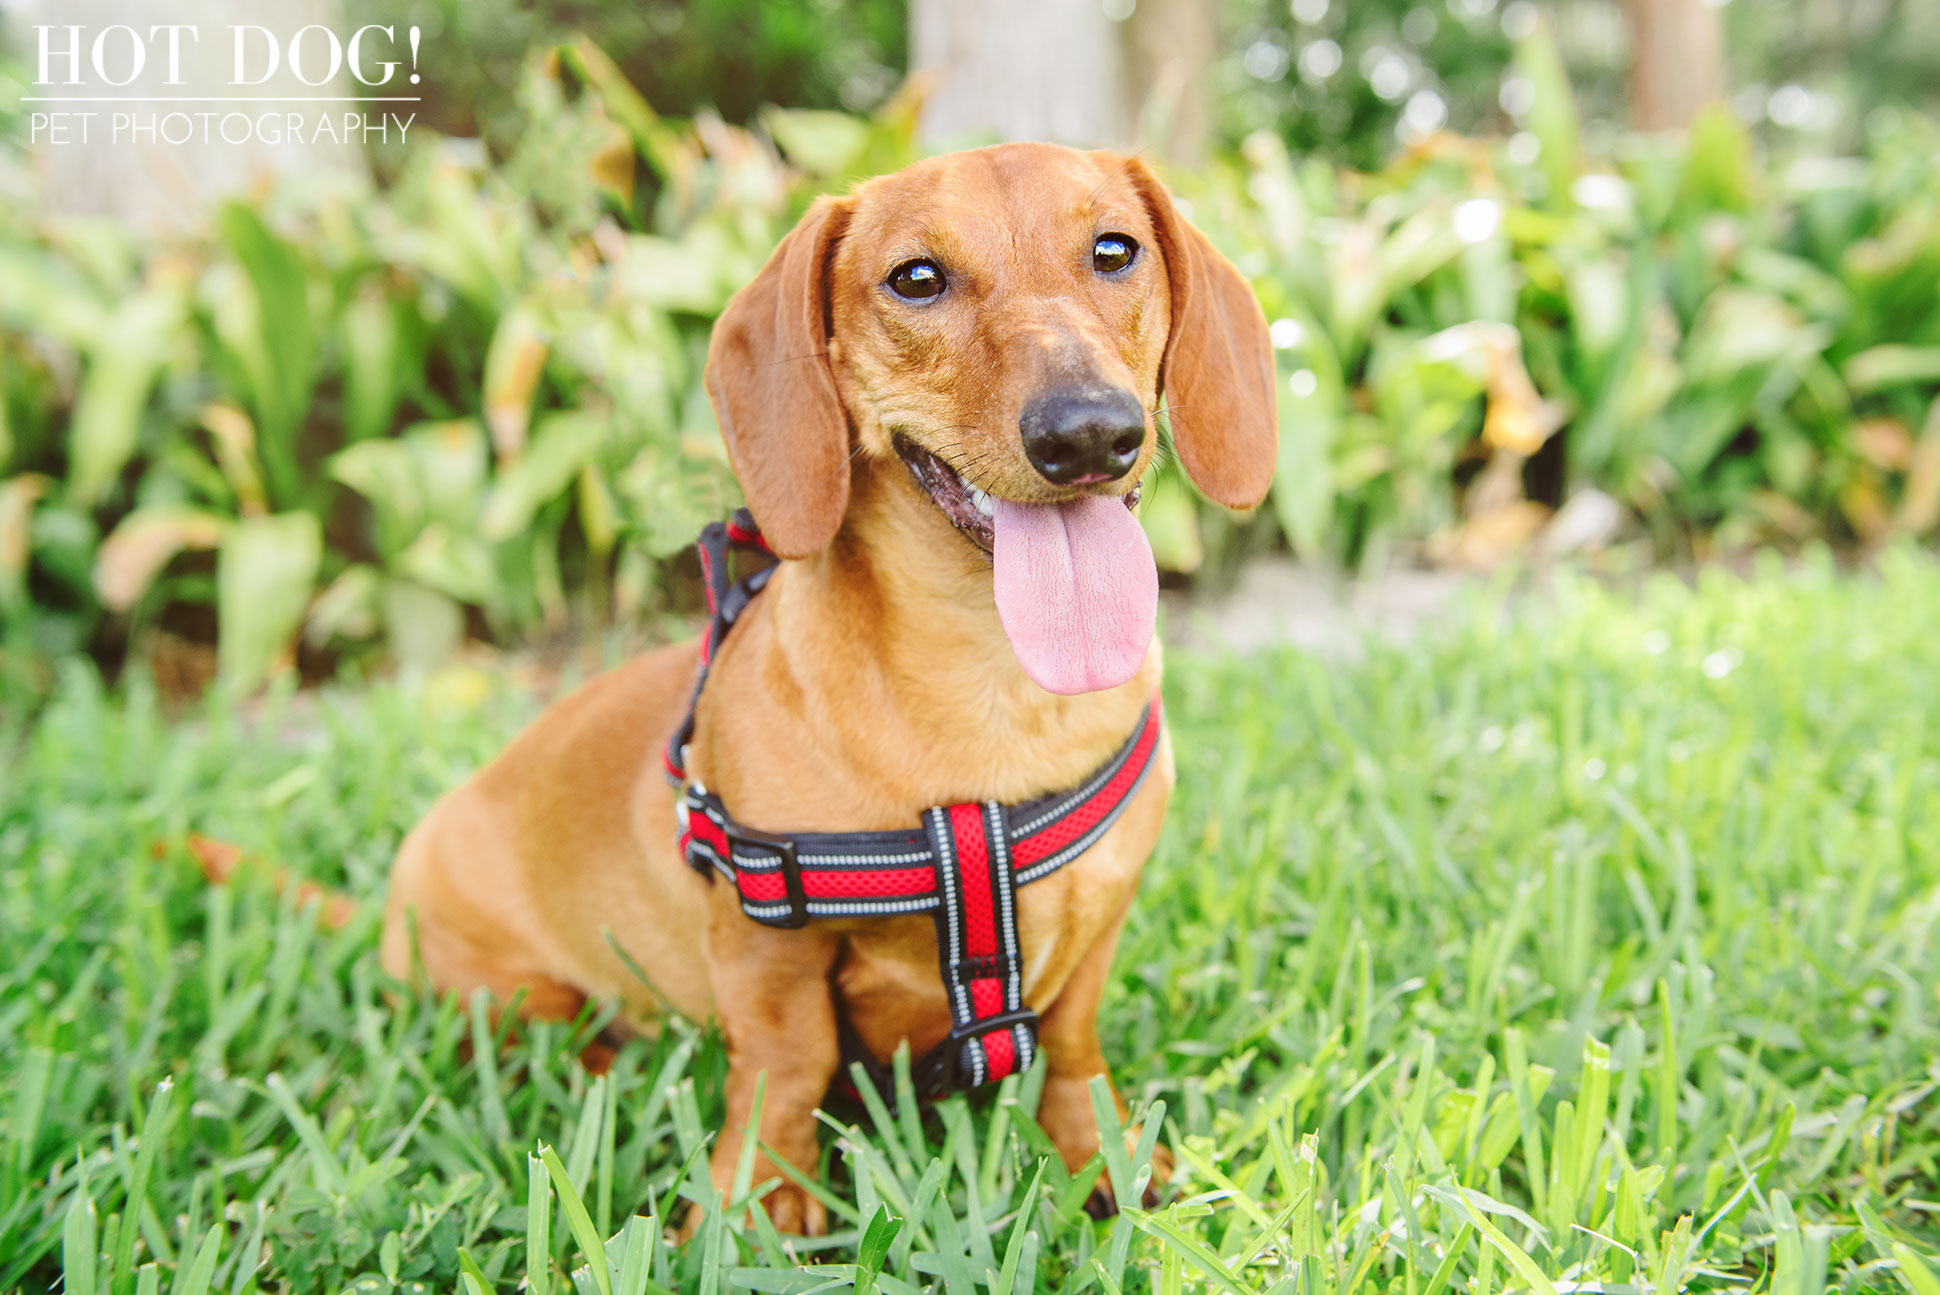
pixel 795 1213
pixel 1103 1203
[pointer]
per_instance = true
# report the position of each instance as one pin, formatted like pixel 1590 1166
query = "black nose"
pixel 1076 436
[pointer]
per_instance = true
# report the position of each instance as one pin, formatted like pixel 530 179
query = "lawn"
pixel 1593 948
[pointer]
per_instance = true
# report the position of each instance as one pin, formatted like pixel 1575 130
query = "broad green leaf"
pixel 456 565
pixel 64 541
pixel 1552 116
pixel 123 362
pixel 1891 364
pixel 280 282
pixel 694 274
pixel 422 626
pixel 42 292
pixel 435 472
pixel 562 444
pixel 821 143
pixel 452 463
pixel 372 344
pixel 657 141
pixel 265 571
pixel 1718 163
pixel 384 473
pixel 348 608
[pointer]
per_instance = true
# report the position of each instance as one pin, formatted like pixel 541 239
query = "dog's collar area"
pixel 962 865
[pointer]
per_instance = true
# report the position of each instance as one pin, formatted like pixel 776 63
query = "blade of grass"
pixel 578 1220
pixel 121 1273
pixel 80 1249
pixel 195 1278
pixel 538 1228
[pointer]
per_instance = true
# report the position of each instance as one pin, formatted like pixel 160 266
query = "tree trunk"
pixel 1173 43
pixel 1676 61
pixel 129 168
pixel 1020 69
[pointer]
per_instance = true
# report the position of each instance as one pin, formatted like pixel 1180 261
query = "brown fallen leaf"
pixel 220 859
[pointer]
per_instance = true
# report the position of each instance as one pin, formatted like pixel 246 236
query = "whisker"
pixel 793 359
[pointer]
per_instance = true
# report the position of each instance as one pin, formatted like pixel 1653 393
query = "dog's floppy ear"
pixel 774 394
pixel 1218 369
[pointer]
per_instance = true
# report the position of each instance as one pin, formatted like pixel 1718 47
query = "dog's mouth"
pixel 1074 582
pixel 971 510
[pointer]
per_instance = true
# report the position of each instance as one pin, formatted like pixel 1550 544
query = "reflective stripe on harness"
pixel 963 864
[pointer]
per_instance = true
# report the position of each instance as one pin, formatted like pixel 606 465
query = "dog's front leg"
pixel 777 1009
pixel 1068 1034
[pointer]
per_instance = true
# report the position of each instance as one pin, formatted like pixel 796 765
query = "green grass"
pixel 1592 951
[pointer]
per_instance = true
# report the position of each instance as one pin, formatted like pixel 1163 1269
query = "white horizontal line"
pixel 234 98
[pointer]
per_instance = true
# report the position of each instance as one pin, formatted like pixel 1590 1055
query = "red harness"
pixel 963 864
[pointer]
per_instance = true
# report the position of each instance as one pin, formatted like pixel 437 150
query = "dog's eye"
pixel 1113 252
pixel 917 280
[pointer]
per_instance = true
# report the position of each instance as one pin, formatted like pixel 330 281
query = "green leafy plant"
pixel 366 416
pixel 480 384
pixel 1737 348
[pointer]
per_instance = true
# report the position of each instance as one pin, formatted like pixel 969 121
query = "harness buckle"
pixel 942 1071
pixel 791 871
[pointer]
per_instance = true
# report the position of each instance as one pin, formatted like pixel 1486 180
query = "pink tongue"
pixel 1077 591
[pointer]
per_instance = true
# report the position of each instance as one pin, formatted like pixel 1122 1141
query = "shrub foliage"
pixel 350 420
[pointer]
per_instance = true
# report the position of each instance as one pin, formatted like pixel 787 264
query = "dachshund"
pixel 940 395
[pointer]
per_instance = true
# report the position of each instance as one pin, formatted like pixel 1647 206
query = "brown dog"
pixel 939 396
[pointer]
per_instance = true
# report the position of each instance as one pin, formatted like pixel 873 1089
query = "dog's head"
pixel 1007 323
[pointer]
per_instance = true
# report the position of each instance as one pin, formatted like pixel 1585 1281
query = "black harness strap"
pixel 726 600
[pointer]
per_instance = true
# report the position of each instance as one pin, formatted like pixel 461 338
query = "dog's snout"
pixel 1077 437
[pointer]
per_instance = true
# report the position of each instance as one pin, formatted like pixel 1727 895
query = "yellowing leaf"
pixel 235 444
pixel 611 166
pixel 597 515
pixel 17 498
pixel 1920 500
pixel 513 366
pixel 143 544
pixel 1518 419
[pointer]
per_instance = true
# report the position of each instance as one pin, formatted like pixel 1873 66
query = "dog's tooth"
pixel 981 500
